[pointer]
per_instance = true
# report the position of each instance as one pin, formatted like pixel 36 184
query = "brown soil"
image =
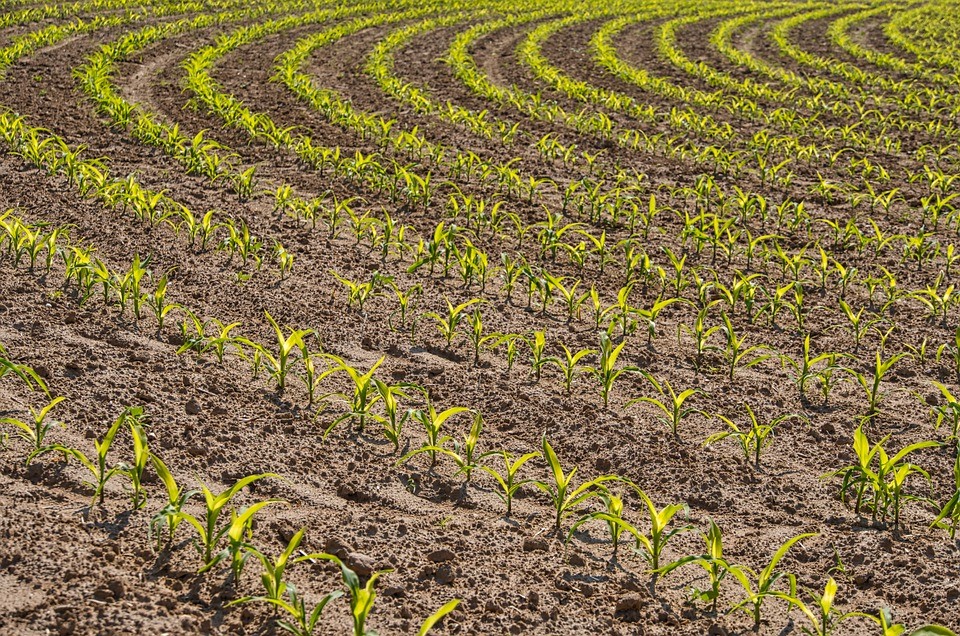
pixel 71 568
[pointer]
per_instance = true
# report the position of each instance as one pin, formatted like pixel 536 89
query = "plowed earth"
pixel 67 567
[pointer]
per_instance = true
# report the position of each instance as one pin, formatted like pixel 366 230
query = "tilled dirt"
pixel 69 567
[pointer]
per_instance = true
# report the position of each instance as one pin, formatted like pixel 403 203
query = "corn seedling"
pixel 22 371
pixel 568 364
pixel 711 561
pixel 464 455
pixel 507 480
pixel 405 300
pixel 651 545
pixel 884 484
pixel 279 364
pixel 701 336
pixel 35 431
pixel 673 408
pixel 806 368
pixel 822 615
pixel 948 517
pixel 612 515
pixel 362 396
pixel 393 417
pixel 606 371
pixel 358 293
pixel 301 622
pixel 141 456
pixel 275 587
pixel 871 384
pixel 765 580
pixel 99 470
pixel 537 342
pixel 737 355
pixel 885 621
pixel 208 532
pixel 433 424
pixel 168 516
pixel 564 497
pixel 448 324
pixel 239 535
pixel 948 412
pixel 361 597
pixel 311 375
pixel 477 339
pixel 157 303
pixel 753 439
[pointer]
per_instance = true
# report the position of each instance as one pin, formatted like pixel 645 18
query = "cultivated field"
pixel 548 317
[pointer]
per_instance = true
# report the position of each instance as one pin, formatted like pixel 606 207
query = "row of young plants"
pixel 567 499
pixel 224 528
pixel 92 178
pixel 915 96
pixel 724 160
pixel 928 34
pixel 869 106
pixel 869 110
pixel 25 242
pixel 625 312
pixel 412 177
pixel 744 106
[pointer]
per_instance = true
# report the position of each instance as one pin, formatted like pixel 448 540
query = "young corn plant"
pixel 612 515
pixel 361 597
pixel 359 292
pixel 807 368
pixel 736 354
pixel 208 527
pixel 432 423
pixel 673 409
pixel 22 371
pixel 141 457
pixel 311 375
pixel 652 544
pixel 477 339
pixel 883 484
pixel 101 472
pixel 507 480
pixel 301 621
pixel 822 615
pixel 948 516
pixel 537 342
pixel 712 561
pixel 700 334
pixel 169 516
pixel 279 364
pixel 406 303
pixel 272 578
pixel 276 589
pixel 568 364
pixel 393 418
pixel 606 371
pixel 35 431
pixel 448 324
pixel 948 412
pixel 753 439
pixel 564 497
pixel 362 396
pixel 759 586
pixel 239 536
pixel 464 454
pixel 871 384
